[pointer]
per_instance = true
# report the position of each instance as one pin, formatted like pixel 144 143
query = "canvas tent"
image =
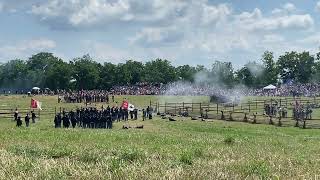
pixel 35 89
pixel 270 87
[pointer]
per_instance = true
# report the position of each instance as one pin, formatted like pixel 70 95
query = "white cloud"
pixel 214 13
pixel 176 27
pixel 150 37
pixel 25 48
pixel 289 7
pixel 78 13
pixel 283 22
pixel 318 6
pixel 256 21
pixel 285 9
pixel 104 51
pixel 272 38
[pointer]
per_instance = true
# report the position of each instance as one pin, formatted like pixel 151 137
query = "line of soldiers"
pixel 27 118
pixel 86 97
pixel 302 112
pixel 274 109
pixel 94 118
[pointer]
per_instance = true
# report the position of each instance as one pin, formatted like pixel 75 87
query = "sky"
pixel 182 31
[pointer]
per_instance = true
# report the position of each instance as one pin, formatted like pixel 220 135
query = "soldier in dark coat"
pixel 16 114
pixel 73 119
pixel 27 120
pixel 144 114
pixel 19 122
pixel 33 117
pixel 66 121
pixel 109 122
pixel 135 113
pixel 131 115
pixel 57 121
pixel 126 114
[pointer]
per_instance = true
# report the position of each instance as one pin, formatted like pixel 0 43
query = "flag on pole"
pixel 35 104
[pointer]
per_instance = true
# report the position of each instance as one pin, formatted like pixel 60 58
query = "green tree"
pixel 296 66
pixel 13 74
pixel 251 75
pixel 222 73
pixel 58 76
pixel 186 72
pixel 270 72
pixel 38 65
pixel 160 71
pixel 86 72
pixel 108 75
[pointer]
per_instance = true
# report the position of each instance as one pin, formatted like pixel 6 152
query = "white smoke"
pixel 205 84
pixel 255 69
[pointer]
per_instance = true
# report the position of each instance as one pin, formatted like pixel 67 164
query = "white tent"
pixel 35 89
pixel 270 87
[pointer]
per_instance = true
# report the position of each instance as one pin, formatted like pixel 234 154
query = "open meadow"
pixel 183 149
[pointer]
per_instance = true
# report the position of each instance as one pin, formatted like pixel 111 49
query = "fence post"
pixel 217 108
pixel 249 106
pixel 192 107
pixel 183 106
pixel 200 108
pixel 233 107
pixel 256 104
pixel 39 114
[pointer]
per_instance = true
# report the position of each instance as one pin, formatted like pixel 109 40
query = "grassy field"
pixel 183 149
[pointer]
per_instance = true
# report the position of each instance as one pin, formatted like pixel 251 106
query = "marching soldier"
pixel 33 117
pixel 19 122
pixel 27 120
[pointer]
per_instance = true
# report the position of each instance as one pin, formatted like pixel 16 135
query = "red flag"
pixel 125 104
pixel 35 104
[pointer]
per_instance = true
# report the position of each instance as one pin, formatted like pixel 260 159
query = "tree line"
pixel 48 71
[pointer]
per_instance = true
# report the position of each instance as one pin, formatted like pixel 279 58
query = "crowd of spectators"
pixel 182 88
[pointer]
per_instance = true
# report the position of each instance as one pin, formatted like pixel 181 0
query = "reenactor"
pixel 254 118
pixel 33 117
pixel 284 112
pixel 144 114
pixel 109 122
pixel 222 116
pixel 135 113
pixel 126 114
pixel 16 114
pixel 149 112
pixel 73 119
pixel 66 122
pixel 131 115
pixel 119 114
pixel 57 121
pixel 27 120
pixel 19 122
